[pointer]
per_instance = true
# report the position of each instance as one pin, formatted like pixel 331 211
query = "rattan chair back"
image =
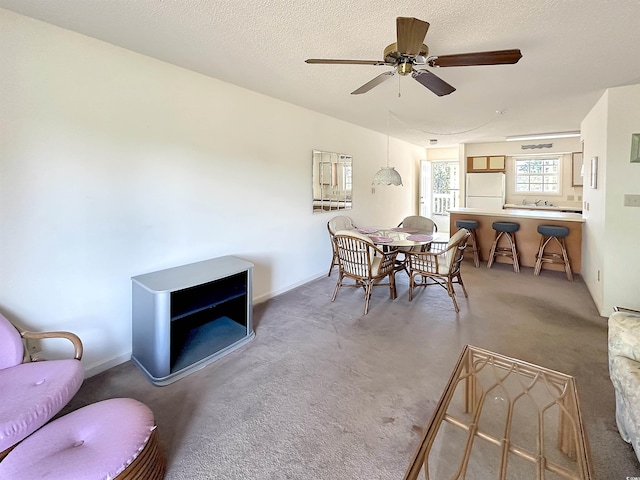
pixel 341 222
pixel 442 267
pixel 360 260
pixel 423 224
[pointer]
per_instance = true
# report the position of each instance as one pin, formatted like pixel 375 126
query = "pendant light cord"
pixel 492 119
pixel 388 116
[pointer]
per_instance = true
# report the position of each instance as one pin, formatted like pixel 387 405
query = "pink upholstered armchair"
pixel 32 393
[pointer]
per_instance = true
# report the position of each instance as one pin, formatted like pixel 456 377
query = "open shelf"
pixel 205 340
pixel 196 299
pixel 187 317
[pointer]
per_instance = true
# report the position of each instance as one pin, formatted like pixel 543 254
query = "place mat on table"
pixel 420 238
pixel 367 230
pixel 378 239
pixel 405 230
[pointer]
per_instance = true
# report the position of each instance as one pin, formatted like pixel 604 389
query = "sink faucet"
pixel 524 201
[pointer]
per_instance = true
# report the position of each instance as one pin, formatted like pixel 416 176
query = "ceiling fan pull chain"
pixel 399 87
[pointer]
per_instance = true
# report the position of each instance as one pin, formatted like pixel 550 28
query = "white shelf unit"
pixel 187 317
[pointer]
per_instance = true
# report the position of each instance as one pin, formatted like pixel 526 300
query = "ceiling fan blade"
pixel 433 82
pixel 373 83
pixel 496 57
pixel 345 62
pixel 410 34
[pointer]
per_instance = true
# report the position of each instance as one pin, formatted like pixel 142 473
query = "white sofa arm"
pixel 624 335
pixel 624 370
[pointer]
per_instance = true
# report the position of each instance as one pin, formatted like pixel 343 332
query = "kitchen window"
pixel 538 175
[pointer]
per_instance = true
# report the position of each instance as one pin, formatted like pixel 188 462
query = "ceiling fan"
pixel 409 55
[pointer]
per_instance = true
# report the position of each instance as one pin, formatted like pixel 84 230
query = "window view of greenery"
pixel 445 188
pixel 538 175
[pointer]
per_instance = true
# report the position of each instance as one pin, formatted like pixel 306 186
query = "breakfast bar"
pixel 528 238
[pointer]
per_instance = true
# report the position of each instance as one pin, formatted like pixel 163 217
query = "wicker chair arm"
pixel 388 260
pixel 424 261
pixel 439 247
pixel 72 337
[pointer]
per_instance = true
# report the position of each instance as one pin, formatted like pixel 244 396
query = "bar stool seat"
pixel 471 225
pixel 557 233
pixel 506 229
pixel 553 230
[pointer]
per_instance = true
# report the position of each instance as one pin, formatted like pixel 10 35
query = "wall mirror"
pixel 331 181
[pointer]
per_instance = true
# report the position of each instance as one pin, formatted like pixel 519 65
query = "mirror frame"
pixel 332 184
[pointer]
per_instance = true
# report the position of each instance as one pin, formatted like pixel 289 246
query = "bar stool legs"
pixel 507 229
pixel 557 233
pixel 471 225
pixel 473 242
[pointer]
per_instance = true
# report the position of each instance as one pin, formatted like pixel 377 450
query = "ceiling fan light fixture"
pixel 387 176
pixel 542 136
pixel 405 68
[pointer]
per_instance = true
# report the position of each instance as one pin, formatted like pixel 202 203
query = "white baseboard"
pixel 101 366
pixel 275 293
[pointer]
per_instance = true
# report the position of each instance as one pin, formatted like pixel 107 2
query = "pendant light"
pixel 387 175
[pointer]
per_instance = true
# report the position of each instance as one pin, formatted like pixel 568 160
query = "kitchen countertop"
pixel 522 213
pixel 527 235
pixel 556 208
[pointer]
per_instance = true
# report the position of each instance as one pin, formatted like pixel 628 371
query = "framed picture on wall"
pixel 577 169
pixel 635 147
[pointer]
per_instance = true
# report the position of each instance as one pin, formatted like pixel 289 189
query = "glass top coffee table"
pixel 502 418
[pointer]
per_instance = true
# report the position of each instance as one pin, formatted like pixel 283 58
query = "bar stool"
pixel 507 229
pixel 557 233
pixel 471 225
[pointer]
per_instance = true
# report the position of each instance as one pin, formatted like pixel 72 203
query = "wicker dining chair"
pixel 360 260
pixel 424 224
pixel 341 222
pixel 441 267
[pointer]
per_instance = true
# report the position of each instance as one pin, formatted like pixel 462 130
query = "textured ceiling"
pixel 572 51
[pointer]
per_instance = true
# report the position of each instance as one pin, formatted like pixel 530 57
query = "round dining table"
pixel 405 239
pixel 401 237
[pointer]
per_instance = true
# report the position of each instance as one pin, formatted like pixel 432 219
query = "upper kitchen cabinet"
pixel 494 163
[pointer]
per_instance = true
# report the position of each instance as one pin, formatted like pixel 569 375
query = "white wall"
pixel 622 276
pixel 113 164
pixel 594 242
pixel 611 259
pixel 448 154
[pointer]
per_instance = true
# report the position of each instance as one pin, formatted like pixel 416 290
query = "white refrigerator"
pixel 485 190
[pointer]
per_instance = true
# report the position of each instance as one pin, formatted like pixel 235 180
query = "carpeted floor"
pixel 323 392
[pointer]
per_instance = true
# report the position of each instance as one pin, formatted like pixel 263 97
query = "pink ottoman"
pixel 112 439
